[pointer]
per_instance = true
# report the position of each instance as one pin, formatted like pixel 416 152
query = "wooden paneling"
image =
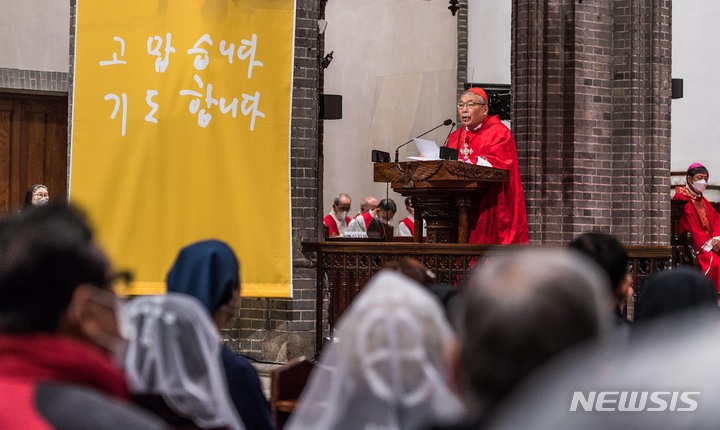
pixel 6 113
pixel 33 147
pixel 344 267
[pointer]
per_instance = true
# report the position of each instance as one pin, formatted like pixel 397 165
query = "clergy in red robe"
pixel 406 226
pixel 337 220
pixel 702 220
pixel 484 140
pixel 384 213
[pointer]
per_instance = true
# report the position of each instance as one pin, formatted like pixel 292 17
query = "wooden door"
pixel 33 147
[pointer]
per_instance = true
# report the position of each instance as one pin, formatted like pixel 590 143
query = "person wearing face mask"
pixel 501 216
pixel 702 220
pixel 58 328
pixel 337 220
pixel 383 213
pixel 36 195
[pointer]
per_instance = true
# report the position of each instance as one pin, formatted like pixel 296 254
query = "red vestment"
pixel 501 215
pixel 332 224
pixel 361 222
pixel 703 222
pixel 410 224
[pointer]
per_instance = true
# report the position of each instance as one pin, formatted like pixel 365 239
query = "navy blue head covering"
pixel 207 270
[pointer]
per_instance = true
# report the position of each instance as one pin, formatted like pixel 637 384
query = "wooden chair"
pixel 380 231
pixel 286 384
pixel 683 253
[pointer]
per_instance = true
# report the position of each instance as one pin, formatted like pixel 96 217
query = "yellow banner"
pixel 180 132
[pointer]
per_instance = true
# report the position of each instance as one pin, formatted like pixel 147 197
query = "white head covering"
pixel 387 371
pixel 174 351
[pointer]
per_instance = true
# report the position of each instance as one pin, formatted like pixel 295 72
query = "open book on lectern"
pixel 428 150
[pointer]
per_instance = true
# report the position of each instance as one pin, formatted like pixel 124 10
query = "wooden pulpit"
pixel 445 193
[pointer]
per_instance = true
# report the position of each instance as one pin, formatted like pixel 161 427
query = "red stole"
pixel 410 224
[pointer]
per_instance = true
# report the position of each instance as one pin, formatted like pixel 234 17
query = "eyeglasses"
pixel 41 195
pixel 469 105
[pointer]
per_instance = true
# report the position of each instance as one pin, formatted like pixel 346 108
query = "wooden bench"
pixel 286 384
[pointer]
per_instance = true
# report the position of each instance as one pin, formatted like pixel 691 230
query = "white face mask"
pixel 341 215
pixel 700 185
pixel 41 201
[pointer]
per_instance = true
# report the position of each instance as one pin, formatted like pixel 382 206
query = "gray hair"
pixel 522 310
pixel 340 196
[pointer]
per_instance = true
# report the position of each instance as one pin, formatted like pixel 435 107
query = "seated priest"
pixel 337 220
pixel 406 226
pixel 702 220
pixel 384 213
pixel 368 203
pixel 485 141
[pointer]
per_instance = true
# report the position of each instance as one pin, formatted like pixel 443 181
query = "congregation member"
pixel 58 328
pixel 611 256
pixel 368 203
pixel 36 195
pixel 449 296
pixel 387 367
pixel 209 271
pixel 484 140
pixel 673 291
pixel 702 220
pixel 337 220
pixel 384 213
pixel 521 311
pixel 173 363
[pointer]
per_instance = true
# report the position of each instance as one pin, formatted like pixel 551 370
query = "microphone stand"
pixel 448 136
pixel 447 153
pixel 397 150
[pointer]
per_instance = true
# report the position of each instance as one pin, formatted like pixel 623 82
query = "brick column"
pixel 462 46
pixel 281 329
pixel 591 104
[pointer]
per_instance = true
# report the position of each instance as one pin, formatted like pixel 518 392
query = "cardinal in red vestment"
pixel 702 220
pixel 484 140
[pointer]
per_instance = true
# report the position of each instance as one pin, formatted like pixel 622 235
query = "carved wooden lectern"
pixel 444 193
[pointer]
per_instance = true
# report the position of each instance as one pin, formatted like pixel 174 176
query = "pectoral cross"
pixel 466 151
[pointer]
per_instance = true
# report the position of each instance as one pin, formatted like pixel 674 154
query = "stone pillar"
pixel 591 116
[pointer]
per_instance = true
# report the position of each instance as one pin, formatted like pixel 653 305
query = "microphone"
pixel 448 136
pixel 397 150
pixel 448 153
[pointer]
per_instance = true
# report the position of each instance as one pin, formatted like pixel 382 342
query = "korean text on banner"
pixel 180 132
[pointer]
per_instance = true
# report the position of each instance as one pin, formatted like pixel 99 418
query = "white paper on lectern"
pixel 428 150
pixel 482 161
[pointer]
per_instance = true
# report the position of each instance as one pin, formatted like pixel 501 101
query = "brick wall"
pixel 591 115
pixel 33 81
pixel 279 329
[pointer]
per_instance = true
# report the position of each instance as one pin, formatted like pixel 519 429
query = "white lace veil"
pixel 174 351
pixel 387 369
